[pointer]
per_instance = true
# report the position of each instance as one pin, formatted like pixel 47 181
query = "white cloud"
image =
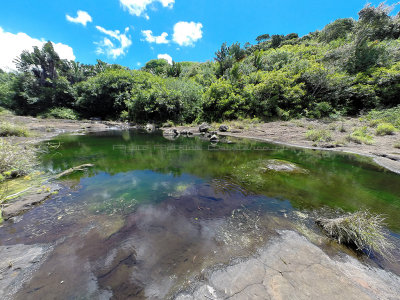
pixel 149 37
pixel 167 57
pixel 106 46
pixel 82 18
pixel 139 7
pixel 186 34
pixel 16 43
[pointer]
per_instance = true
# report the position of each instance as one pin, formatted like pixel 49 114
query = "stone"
pixel 171 132
pixel 150 127
pixel 214 138
pixel 223 128
pixel 204 127
pixel 281 166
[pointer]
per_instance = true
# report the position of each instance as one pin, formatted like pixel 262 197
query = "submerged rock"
pixel 17 265
pixel 291 265
pixel 281 166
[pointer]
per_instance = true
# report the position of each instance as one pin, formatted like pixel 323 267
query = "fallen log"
pixel 72 170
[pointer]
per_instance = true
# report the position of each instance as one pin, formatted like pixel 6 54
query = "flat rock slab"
pixel 22 204
pixel 17 264
pixel 291 267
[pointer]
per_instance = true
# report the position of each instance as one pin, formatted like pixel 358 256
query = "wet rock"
pixel 150 127
pixel 204 127
pixel 291 265
pixel 223 128
pixel 171 132
pixel 214 138
pixel 25 203
pixel 17 264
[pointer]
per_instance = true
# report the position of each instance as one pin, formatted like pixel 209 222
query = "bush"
pixel 61 113
pixel 361 229
pixel 391 116
pixel 385 129
pixel 9 129
pixel 318 135
pixel 16 160
pixel 360 136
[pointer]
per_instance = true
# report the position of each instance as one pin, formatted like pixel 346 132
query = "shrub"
pixel 391 116
pixel 360 136
pixel 385 129
pixel 16 160
pixel 9 129
pixel 361 229
pixel 319 135
pixel 61 113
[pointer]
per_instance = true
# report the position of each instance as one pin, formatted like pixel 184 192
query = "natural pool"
pixel 154 212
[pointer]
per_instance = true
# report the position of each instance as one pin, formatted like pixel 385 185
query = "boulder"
pixel 223 128
pixel 204 127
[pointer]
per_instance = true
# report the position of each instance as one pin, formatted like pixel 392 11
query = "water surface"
pixel 153 213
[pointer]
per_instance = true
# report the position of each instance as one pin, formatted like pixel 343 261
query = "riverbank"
pixel 383 149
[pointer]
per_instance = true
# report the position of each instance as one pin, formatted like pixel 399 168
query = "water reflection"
pixel 153 214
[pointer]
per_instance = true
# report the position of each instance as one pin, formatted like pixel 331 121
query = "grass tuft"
pixel 361 229
pixel 318 135
pixel 361 136
pixel 385 129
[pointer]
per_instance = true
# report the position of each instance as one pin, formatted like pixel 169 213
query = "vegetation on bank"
pixel 348 67
pixel 10 129
pixel 15 160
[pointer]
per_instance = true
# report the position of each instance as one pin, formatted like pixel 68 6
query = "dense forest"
pixel 348 67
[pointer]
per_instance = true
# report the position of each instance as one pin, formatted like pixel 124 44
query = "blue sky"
pixel 195 28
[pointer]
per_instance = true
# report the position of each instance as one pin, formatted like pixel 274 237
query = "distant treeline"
pixel 348 67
